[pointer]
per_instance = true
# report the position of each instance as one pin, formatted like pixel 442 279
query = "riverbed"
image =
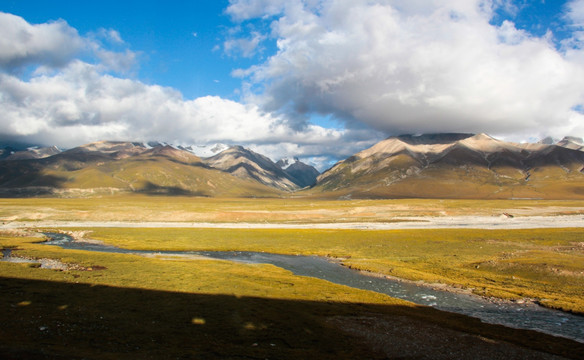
pixel 398 223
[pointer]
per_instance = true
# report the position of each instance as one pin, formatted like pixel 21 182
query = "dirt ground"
pixel 401 337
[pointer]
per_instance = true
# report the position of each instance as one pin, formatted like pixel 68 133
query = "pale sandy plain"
pixel 422 222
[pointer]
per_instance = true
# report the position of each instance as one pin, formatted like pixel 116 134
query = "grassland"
pixel 180 307
pixel 546 265
pixel 127 306
pixel 139 208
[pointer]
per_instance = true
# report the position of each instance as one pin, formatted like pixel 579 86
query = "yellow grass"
pixel 291 210
pixel 546 265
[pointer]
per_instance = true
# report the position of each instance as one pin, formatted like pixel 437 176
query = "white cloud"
pixel 21 44
pixel 114 36
pixel 575 18
pixel 109 35
pixel 55 44
pixel 247 47
pixel 116 61
pixel 415 66
pixel 576 12
pixel 247 9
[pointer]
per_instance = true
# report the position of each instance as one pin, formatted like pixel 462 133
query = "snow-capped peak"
pixel 205 151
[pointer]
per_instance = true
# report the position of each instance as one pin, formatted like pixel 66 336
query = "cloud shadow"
pixel 27 178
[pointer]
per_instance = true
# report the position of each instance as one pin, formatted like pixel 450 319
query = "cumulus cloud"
pixel 21 44
pixel 415 66
pixel 245 47
pixel 575 18
pixel 576 12
pixel 247 9
pixel 55 44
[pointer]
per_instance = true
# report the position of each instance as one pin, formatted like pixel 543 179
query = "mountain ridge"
pixel 462 165
pixel 447 165
pixel 117 166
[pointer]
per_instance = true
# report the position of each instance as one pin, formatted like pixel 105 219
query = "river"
pixel 523 316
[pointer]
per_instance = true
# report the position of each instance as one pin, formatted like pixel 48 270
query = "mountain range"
pixel 423 166
pixel 153 168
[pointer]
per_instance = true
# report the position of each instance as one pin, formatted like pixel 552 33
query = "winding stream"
pixel 523 316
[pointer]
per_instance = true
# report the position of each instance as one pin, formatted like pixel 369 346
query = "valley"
pixel 460 213
pixel 306 179
pixel 539 265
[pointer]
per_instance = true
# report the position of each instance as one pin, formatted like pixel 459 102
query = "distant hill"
pixel 108 166
pixel 456 166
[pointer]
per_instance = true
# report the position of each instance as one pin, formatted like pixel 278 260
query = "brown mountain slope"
pixel 126 167
pixel 456 166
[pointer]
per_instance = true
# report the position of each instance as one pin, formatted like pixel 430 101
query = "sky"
pixel 315 79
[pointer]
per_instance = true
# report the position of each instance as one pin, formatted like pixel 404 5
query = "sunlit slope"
pixel 457 166
pixel 125 167
pixel 248 165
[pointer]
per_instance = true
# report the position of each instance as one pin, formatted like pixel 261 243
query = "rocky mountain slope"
pixel 246 164
pixel 571 142
pixel 303 175
pixel 29 153
pixel 457 166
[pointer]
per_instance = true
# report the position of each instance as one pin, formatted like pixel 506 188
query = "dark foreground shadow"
pixel 48 320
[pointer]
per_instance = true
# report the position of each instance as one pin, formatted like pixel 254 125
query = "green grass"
pixel 201 276
pixel 542 264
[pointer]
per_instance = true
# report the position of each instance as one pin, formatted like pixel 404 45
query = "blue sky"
pixel 317 79
pixel 162 32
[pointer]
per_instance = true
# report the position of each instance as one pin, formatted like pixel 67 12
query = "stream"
pixel 523 316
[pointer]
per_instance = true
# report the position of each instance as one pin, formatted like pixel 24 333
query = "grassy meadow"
pixel 169 307
pixel 546 265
